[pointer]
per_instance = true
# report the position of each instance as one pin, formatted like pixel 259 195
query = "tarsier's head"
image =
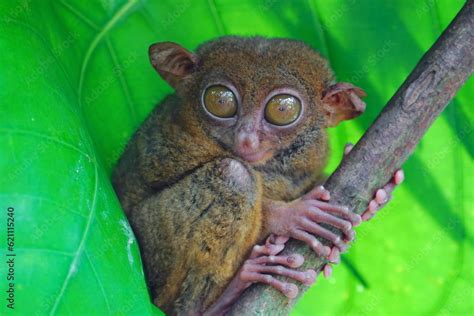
pixel 255 96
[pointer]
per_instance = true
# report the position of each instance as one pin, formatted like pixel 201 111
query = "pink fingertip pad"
pixel 310 277
pixel 291 290
pixel 399 176
pixel 381 196
pixel 295 260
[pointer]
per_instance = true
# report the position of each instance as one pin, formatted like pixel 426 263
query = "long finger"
pixel 307 277
pixel 338 210
pixel 268 250
pixel 292 261
pixel 288 289
pixel 318 230
pixel 311 241
pixel 371 210
pixel 319 216
pixel 318 193
pixel 335 256
pixel 276 239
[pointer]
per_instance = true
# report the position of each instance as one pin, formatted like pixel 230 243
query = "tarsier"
pixel 229 167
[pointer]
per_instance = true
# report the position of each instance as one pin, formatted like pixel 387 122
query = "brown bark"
pixel 387 143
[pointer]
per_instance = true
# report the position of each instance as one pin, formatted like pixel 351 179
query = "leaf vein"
pixel 216 17
pixel 50 138
pixel 97 39
pixel 99 282
pixel 77 13
pixel 123 82
pixel 78 253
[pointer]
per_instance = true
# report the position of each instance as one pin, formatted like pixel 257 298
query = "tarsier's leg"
pixel 200 230
pixel 263 263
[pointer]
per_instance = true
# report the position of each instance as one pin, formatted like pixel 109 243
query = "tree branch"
pixel 386 144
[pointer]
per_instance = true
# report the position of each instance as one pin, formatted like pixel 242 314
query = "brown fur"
pixel 195 216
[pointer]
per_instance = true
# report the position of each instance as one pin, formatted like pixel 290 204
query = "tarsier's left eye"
pixel 282 109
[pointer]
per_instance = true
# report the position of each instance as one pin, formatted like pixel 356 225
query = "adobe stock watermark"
pixel 338 14
pixel 173 16
pixel 45 63
pixel 447 148
pixel 425 7
pixel 373 60
pixel 266 5
pixel 10 257
pixel 22 7
pixel 105 84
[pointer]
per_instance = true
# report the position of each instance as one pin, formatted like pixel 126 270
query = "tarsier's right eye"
pixel 220 101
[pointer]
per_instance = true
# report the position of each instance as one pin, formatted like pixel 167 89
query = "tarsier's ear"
pixel 172 61
pixel 342 101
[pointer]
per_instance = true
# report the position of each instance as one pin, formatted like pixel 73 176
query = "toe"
pixel 335 255
pixel 367 215
pixel 310 277
pixel 381 196
pixel 399 176
pixel 373 206
pixel 327 271
pixel 290 290
pixel 347 148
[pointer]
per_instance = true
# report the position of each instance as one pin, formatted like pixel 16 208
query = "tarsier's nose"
pixel 247 141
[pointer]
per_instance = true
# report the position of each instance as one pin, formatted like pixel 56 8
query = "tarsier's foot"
pixel 383 195
pixel 264 262
pixel 262 266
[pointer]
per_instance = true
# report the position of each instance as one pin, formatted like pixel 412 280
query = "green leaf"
pixel 75 83
pixel 75 252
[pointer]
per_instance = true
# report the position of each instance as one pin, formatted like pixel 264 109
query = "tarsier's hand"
pixel 302 218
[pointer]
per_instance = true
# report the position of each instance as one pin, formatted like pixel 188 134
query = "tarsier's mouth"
pixel 256 157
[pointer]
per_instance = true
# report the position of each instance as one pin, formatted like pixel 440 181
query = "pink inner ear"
pixel 335 98
pixel 172 62
pixel 342 101
pixel 177 63
pixel 359 105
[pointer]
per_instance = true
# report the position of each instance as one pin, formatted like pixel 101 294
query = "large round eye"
pixel 220 101
pixel 282 109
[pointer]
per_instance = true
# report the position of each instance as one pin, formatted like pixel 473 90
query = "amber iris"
pixel 282 109
pixel 220 101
